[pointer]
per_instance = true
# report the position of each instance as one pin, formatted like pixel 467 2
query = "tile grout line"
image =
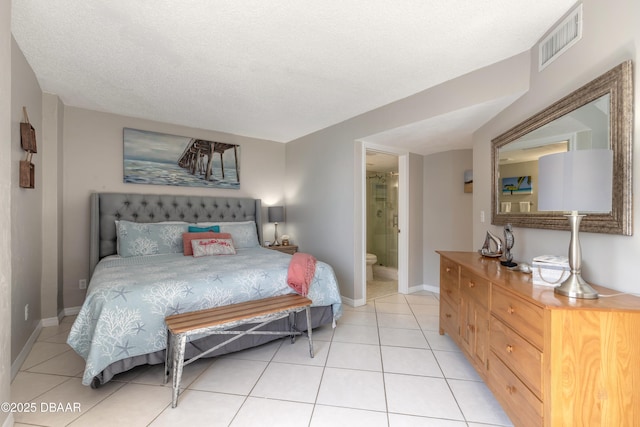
pixel 324 369
pixel 377 311
pixel 384 382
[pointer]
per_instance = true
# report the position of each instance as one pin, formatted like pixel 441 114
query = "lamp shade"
pixel 578 180
pixel 276 213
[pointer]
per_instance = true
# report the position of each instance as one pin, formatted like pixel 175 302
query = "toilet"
pixel 371 259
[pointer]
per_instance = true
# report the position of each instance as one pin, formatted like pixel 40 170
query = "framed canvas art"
pixel 163 159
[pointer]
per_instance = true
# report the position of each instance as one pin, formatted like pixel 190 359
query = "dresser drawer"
pixel 449 280
pixel 523 317
pixel 522 406
pixel 449 318
pixel 518 354
pixel 475 287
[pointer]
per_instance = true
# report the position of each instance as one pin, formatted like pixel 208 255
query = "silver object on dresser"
pixel 509 240
pixel 492 246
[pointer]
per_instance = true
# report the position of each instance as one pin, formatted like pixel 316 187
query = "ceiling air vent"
pixel 565 35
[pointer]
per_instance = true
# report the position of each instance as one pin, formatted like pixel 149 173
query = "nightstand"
pixel 288 249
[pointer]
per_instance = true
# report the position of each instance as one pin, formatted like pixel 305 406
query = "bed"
pixel 140 275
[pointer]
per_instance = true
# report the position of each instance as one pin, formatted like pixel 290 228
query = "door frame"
pixel 403 216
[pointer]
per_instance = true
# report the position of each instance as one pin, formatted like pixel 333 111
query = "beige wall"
pixel 26 206
pixel 447 209
pixel 5 208
pixel 92 158
pixel 611 36
pixel 51 288
pixel 417 224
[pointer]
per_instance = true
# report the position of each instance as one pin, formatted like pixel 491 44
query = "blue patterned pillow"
pixel 136 238
pixel 244 234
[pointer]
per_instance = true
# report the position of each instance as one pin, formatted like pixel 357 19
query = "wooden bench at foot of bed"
pixel 219 320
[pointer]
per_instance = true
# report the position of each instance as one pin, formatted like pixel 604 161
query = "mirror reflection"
pixel 584 128
pixel 596 115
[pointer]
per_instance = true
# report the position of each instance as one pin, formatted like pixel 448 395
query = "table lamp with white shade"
pixel 576 181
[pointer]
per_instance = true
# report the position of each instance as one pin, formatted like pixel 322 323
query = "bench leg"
pixel 167 358
pixel 292 327
pixel 177 361
pixel 309 331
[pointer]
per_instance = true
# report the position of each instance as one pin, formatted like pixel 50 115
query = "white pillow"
pixel 212 246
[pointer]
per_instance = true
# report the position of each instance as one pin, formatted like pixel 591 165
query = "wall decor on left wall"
pixel 28 143
pixel 163 159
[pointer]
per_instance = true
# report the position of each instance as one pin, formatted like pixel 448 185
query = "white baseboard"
pixel 71 311
pixel 431 288
pixel 428 288
pixel 51 321
pixel 15 366
pixel 416 288
pixel 346 301
pixel 43 323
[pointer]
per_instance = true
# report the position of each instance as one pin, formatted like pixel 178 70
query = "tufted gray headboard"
pixel 106 208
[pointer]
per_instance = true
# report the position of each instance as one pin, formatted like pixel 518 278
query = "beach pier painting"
pixel 198 149
pixel 163 159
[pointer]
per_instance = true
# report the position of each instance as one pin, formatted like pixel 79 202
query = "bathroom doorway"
pixel 382 223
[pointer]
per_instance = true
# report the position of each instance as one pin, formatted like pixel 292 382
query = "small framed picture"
pixel 468 181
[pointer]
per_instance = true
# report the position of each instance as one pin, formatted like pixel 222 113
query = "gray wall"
pixel 447 209
pixel 92 156
pixel 5 207
pixel 26 206
pixel 611 36
pixel 324 169
pixel 52 208
pixel 417 246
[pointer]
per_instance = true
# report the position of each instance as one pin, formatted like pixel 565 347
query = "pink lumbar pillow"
pixel 215 246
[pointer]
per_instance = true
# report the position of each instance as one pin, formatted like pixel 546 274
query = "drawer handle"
pixel 511 310
pixel 448 269
pixel 471 328
pixel 509 348
pixel 449 291
pixel 472 284
pixel 511 389
pixel 448 315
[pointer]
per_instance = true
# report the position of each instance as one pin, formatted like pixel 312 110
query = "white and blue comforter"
pixel 128 298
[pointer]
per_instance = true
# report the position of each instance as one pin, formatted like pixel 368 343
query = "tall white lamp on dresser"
pixel 576 181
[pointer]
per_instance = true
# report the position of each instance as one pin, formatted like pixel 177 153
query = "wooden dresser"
pixel 548 359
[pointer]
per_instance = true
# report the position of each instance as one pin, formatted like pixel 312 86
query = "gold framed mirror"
pixel 597 115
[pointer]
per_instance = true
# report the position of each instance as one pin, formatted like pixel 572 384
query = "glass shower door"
pixel 383 217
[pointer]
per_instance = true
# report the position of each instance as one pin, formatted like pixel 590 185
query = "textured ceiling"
pixel 276 69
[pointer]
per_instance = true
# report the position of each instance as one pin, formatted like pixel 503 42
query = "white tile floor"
pixel 384 365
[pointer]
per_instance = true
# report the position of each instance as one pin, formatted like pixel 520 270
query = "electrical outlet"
pixel 82 283
pixel 481 216
pixel 26 312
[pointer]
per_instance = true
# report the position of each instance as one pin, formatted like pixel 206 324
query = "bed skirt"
pixel 319 316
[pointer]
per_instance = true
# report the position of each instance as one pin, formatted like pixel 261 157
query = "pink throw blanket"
pixel 302 268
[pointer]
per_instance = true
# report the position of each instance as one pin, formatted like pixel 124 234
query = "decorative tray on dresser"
pixel 548 359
